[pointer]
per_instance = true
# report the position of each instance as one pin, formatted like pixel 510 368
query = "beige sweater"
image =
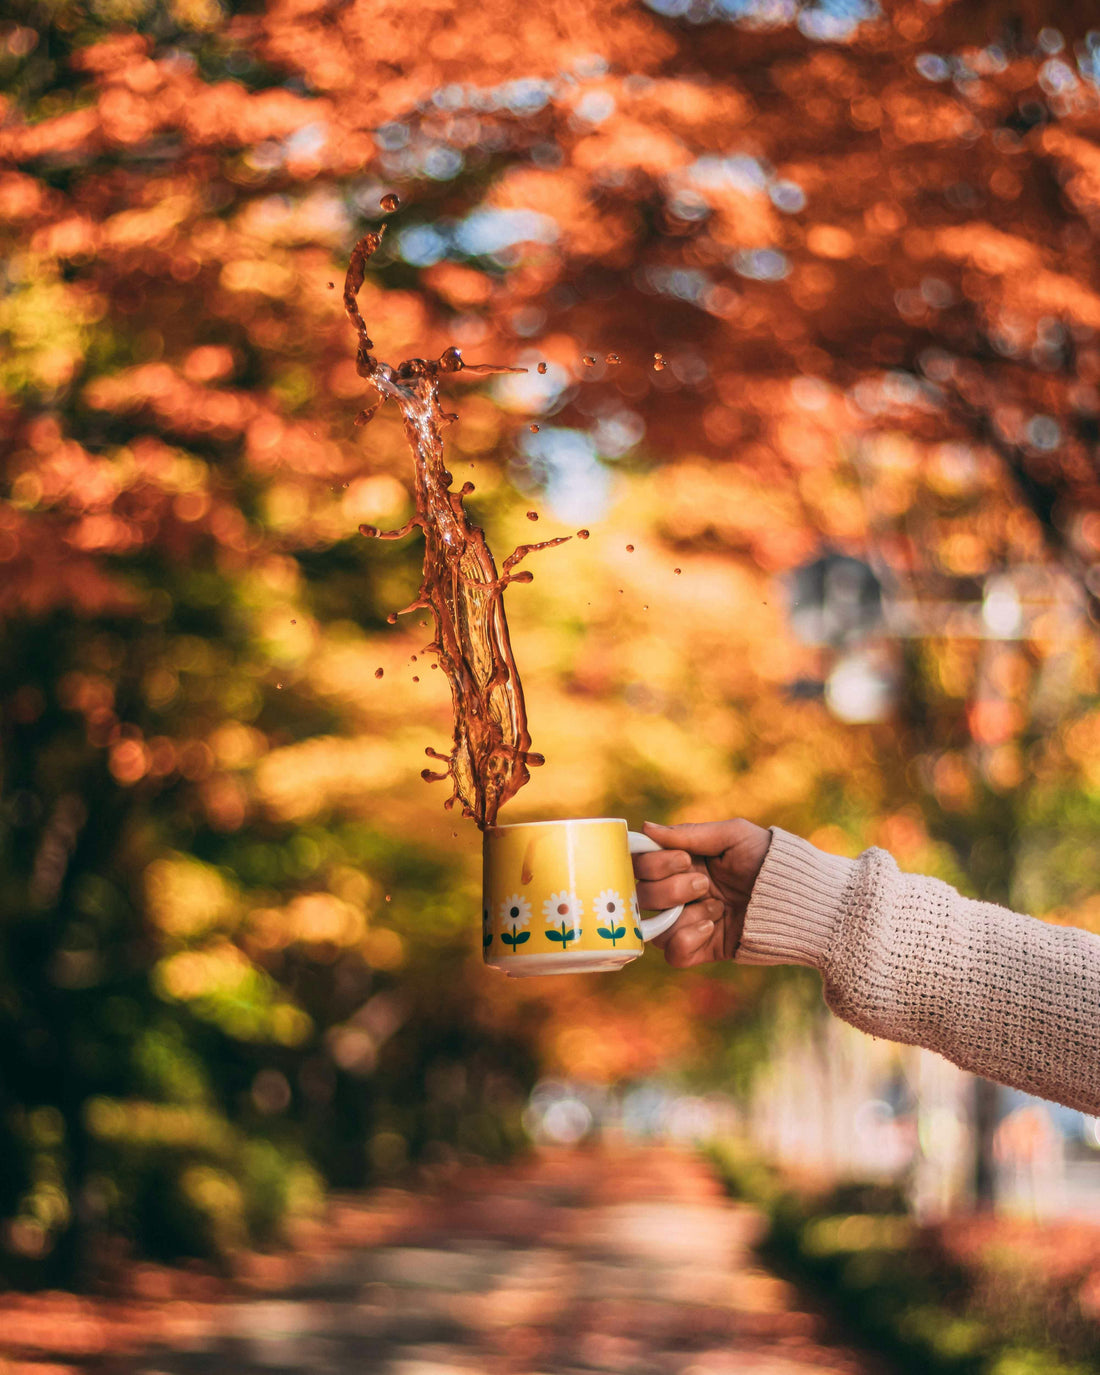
pixel 908 958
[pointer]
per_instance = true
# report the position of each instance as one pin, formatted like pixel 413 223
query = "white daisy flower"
pixel 610 907
pixel 516 910
pixel 563 908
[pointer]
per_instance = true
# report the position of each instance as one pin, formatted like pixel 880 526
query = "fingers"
pixel 661 864
pixel 694 914
pixel 694 938
pixel 668 892
pixel 697 837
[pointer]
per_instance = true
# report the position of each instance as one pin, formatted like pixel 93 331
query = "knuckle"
pixel 682 956
pixel 679 950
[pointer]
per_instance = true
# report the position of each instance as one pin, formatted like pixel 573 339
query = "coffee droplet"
pixel 389 203
pixel 542 367
pixel 378 672
pixel 370 531
pixel 614 359
pixel 658 362
pixel 582 534
pixel 415 678
pixel 450 360
pixel 534 429
pixel 677 570
pixel 413 659
pixel 388 897
pixel 645 608
pixel 293 621
pixel 331 286
pixel 588 360
pixel 630 549
pixel 532 515
pixel 391 619
pixel 279 685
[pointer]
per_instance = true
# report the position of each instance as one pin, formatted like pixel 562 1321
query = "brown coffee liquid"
pixel 491 749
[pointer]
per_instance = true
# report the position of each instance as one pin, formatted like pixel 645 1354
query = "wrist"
pixel 757 845
pixel 795 904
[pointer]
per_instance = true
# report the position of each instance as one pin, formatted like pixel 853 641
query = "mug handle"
pixel 639 844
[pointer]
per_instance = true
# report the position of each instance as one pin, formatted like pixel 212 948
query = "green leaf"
pixel 520 937
pixel 618 933
pixel 606 932
pixel 558 936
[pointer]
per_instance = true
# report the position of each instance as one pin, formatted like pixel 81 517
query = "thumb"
pixel 697 837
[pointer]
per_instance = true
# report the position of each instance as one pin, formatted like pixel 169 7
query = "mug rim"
pixel 559 821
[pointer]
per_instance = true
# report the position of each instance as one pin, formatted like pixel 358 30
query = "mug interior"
pixel 560 821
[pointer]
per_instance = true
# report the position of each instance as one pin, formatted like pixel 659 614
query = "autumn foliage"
pixel 845 257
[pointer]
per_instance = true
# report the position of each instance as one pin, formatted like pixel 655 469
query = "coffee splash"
pixel 491 749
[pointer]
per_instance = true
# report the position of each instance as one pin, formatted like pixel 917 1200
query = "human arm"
pixel 901 956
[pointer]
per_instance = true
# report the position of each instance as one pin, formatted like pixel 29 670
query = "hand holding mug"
pixel 710 868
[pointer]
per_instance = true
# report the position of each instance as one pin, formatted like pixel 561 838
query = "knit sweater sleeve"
pixel 908 958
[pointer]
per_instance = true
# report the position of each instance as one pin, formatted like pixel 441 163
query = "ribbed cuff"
pixel 795 903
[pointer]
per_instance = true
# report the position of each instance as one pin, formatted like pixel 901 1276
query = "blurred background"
pixel 843 573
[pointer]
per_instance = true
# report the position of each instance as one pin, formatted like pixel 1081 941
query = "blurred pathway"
pixel 627 1261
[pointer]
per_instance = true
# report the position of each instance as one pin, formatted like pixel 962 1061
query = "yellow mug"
pixel 559 897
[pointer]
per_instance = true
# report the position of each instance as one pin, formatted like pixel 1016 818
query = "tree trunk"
pixel 985 1120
